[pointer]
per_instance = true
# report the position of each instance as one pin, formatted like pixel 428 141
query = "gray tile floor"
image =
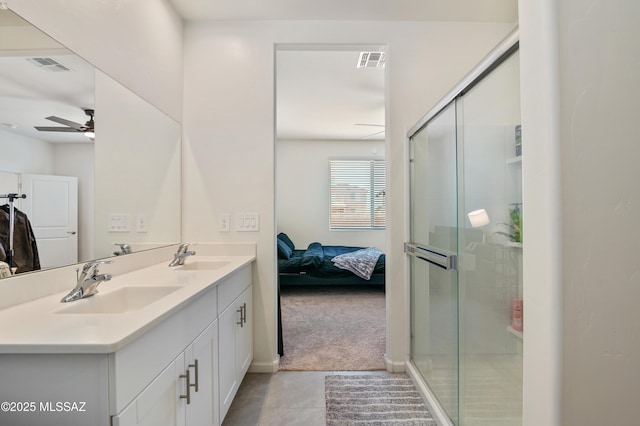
pixel 286 398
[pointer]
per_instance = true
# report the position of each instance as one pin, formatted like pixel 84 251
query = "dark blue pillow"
pixel 285 238
pixel 284 252
pixel 313 256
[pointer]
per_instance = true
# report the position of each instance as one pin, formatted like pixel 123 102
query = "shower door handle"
pixel 436 256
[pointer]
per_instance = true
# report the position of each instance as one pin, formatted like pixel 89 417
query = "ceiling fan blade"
pixel 56 129
pixel 69 123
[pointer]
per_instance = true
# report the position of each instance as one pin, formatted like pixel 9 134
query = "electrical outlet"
pixel 142 222
pixel 223 222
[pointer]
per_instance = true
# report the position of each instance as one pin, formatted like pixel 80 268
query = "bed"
pixel 320 265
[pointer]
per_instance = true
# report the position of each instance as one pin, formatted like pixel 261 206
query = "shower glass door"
pixel 490 240
pixel 434 244
pixel 467 317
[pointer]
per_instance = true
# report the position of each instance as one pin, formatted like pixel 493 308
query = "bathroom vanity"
pixel 155 346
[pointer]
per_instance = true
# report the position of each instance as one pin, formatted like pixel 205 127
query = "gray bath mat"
pixel 374 400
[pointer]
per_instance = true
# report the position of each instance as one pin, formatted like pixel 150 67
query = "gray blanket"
pixel 361 262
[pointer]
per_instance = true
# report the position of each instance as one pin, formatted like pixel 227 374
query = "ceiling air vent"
pixel 48 64
pixel 371 60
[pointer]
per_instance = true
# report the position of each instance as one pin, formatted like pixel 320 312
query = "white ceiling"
pixel 378 10
pixel 29 93
pixel 348 103
pixel 320 94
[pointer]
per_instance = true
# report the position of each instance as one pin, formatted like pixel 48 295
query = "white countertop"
pixel 38 326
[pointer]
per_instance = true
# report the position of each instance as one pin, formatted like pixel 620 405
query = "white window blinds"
pixel 357 194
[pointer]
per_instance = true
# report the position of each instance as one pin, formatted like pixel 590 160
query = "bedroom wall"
pixel 78 160
pixel 229 147
pixel 302 191
pixel 28 155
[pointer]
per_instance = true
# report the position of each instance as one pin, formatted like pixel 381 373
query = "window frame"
pixel 375 164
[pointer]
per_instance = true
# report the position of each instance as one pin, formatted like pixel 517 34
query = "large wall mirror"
pixel 100 167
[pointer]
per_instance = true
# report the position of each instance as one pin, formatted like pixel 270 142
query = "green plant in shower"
pixel 515 213
pixel 515 224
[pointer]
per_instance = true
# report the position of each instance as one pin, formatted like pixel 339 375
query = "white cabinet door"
pixel 199 364
pixel 235 347
pixel 227 378
pixel 167 401
pixel 244 342
pixel 157 404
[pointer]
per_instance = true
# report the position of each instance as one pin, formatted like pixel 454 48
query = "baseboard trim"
pixel 265 367
pixel 393 366
pixel 432 403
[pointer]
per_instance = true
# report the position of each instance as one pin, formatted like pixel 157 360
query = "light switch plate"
pixel 247 222
pixel 119 222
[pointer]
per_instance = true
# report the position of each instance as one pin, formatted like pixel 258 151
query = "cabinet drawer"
pixel 231 287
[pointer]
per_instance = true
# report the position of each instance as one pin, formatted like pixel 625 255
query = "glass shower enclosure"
pixel 465 248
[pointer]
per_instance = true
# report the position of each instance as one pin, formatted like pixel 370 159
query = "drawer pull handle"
pixel 240 323
pixel 187 376
pixel 243 315
pixel 244 312
pixel 195 366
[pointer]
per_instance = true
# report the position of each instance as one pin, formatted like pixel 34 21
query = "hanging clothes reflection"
pixel 25 251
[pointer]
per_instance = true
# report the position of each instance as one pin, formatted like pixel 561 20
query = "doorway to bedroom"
pixel 330 206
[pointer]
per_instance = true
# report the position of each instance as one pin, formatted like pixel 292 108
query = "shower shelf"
pixel 515 332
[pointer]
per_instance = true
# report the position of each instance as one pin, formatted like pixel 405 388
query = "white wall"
pixel 137 169
pixel 27 155
pixel 229 134
pixel 78 160
pixel 138 43
pixel 598 121
pixel 579 97
pixel 302 191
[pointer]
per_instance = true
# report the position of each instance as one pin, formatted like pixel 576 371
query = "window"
pixel 358 189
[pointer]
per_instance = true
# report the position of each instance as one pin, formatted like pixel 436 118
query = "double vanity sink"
pixel 134 297
pixel 130 354
pixel 124 308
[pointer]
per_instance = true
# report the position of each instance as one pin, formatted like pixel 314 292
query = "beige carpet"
pixel 333 328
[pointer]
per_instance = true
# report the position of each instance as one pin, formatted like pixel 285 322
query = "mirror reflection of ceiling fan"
pixel 372 125
pixel 71 126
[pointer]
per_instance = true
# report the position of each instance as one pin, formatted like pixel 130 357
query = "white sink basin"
pixel 125 299
pixel 202 265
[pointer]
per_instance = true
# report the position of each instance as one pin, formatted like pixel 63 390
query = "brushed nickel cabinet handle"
pixel 240 323
pixel 187 376
pixel 195 366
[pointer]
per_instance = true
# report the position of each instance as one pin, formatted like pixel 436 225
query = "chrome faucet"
pixel 124 249
pixel 88 281
pixel 181 255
